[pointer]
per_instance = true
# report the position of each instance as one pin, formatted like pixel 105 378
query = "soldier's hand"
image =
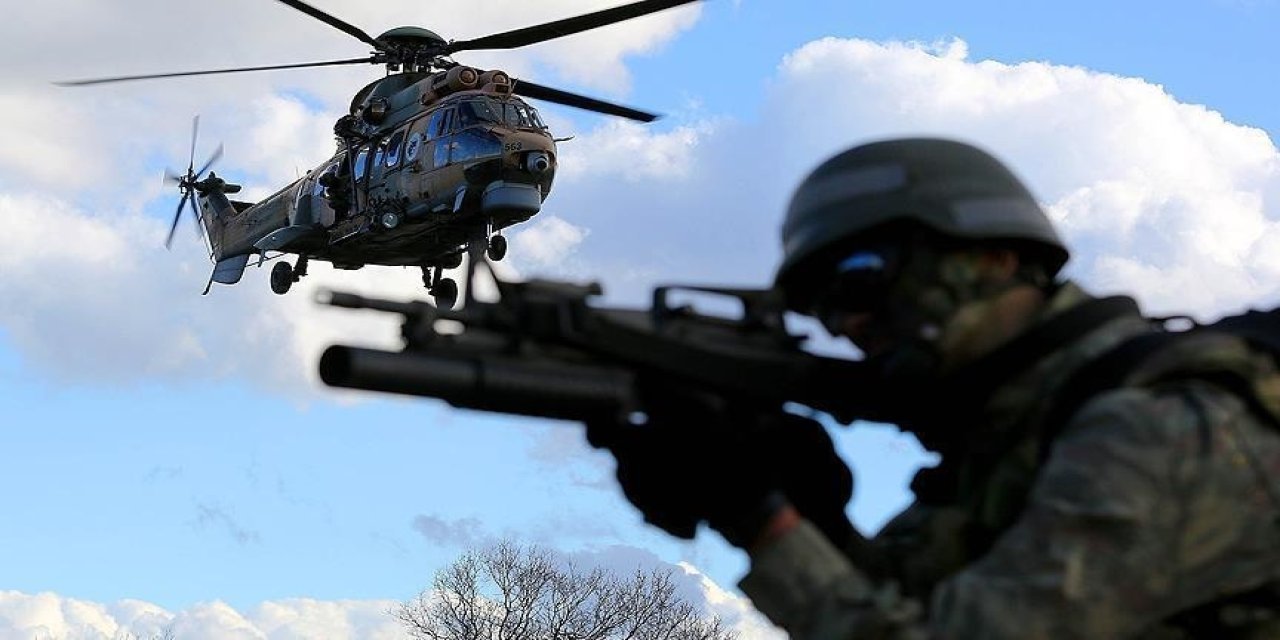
pixel 698 465
pixel 809 472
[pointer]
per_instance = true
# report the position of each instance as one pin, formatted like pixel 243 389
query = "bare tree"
pixel 510 592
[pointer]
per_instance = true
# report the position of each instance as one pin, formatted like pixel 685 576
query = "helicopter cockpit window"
pixel 517 115
pixel 537 119
pixel 487 110
pixel 478 112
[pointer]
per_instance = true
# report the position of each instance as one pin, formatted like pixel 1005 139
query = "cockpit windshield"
pixel 505 112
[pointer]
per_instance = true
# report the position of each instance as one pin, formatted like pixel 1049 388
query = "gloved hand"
pixel 809 473
pixel 692 462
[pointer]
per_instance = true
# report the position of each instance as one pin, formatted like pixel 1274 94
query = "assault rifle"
pixel 542 350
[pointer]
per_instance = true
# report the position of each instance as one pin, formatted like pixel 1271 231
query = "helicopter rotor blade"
pixel 341 25
pixel 301 65
pixel 559 96
pixel 186 195
pixel 561 28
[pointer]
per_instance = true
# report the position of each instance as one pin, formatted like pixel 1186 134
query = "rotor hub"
pixel 412 36
pixel 411 47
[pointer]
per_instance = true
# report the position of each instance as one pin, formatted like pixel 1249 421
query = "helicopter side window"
pixel 440 132
pixel 380 153
pixel 392 157
pixel 435 124
pixel 469 145
pixel 446 123
pixel 362 163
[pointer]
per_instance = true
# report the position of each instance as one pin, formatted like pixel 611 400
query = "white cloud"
pixel 284 141
pixel 546 241
pixel 464 532
pixel 631 151
pixel 735 610
pixel 299 618
pixel 50 615
pixel 692 585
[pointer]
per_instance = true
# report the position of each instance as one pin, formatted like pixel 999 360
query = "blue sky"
pixel 175 455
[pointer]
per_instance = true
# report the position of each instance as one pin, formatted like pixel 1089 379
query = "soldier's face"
pixel 886 297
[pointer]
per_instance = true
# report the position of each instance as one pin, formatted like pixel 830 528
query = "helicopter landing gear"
pixel 281 278
pixel 451 261
pixel 443 290
pixel 497 248
pixel 283 275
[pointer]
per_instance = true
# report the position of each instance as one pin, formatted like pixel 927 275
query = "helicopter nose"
pixel 537 161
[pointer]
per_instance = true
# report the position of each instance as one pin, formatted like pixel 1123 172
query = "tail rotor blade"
pixel 176 215
pixel 195 130
pixel 195 219
pixel 217 153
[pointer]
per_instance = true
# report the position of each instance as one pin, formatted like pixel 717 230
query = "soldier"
pixel 1149 508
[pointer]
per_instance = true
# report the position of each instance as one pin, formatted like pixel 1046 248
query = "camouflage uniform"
pixel 1154 514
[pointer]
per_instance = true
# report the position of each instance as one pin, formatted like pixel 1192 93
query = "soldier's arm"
pixel 1136 515
pixel 802 583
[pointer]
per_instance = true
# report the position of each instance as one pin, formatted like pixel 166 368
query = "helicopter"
pixel 433 160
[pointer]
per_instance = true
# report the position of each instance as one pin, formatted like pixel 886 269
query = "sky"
pixel 171 461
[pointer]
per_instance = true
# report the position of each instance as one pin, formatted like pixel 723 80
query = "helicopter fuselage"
pixel 426 164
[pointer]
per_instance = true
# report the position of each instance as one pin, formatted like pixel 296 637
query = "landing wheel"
pixel 281 278
pixel 445 293
pixel 497 248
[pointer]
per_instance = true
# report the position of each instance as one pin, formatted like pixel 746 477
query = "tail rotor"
pixel 188 183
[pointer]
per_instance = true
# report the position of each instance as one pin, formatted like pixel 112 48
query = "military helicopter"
pixel 433 159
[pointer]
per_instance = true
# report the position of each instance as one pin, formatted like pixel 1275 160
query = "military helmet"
pixel 953 189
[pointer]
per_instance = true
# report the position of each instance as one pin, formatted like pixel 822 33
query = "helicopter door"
pixel 322 211
pixel 310 205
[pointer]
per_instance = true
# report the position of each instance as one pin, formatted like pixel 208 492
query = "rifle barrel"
pixel 487 382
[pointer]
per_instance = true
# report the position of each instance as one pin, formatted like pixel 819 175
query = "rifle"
pixel 541 350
